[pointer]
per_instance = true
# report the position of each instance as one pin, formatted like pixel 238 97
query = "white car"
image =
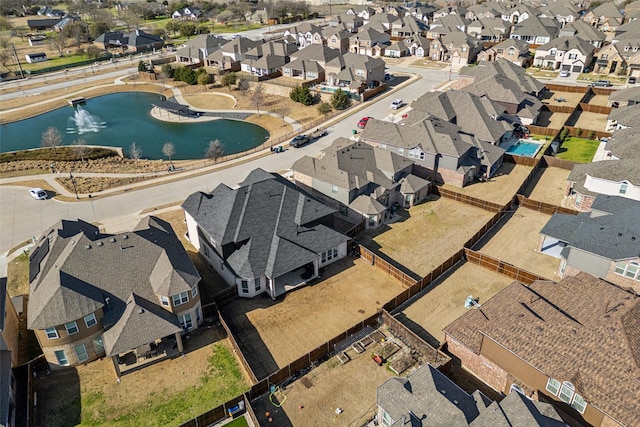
pixel 396 104
pixel 565 73
pixel 38 193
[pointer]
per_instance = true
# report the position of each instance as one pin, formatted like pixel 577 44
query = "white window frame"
pixel 334 189
pixel 49 333
pixel 98 345
pixel 90 318
pixel 198 315
pixel 185 323
pixel 165 301
pixel 244 286
pixel 181 298
pixel 258 284
pixel 578 403
pixel 62 361
pixel 401 151
pixel 84 353
pixel 552 384
pixel 620 268
pixel 623 188
pixel 567 392
pixel 75 325
pixel 194 292
pixel 633 268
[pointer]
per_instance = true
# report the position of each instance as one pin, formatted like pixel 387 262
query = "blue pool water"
pixel 524 149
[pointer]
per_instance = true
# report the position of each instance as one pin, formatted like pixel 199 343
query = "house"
pixel 623 144
pixel 448 11
pixel 625 97
pixel 476 116
pixel 515 51
pixel 616 178
pixel 407 27
pixel 309 63
pixel 266 236
pixel 337 38
pixel 196 50
pixel 267 58
pixel 606 17
pixel 360 181
pixel 621 57
pixel 565 53
pixel 552 340
pixel 447 24
pixel 456 47
pixel 187 14
pixel 305 34
pixel 508 85
pixel 229 55
pixel 364 12
pixel 624 117
pixel 413 46
pixel 428 397
pixel 564 13
pixel 52 13
pixel 35 57
pixel 485 10
pixel 348 22
pixel 583 31
pixel 42 24
pixel 489 29
pixel 441 151
pixel 366 40
pixel 383 22
pixel 354 71
pixel 423 12
pixel 93 295
pixel 9 330
pixel 519 13
pixel 535 31
pixel 134 41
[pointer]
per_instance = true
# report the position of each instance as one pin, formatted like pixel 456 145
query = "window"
pixel 185 321
pixel 416 153
pixel 620 267
pixel 194 291
pixel 198 316
pixel 579 403
pixel 343 209
pixel 401 151
pixel 566 392
pixel 258 284
pixel 180 298
pixel 573 55
pixel 563 267
pixel 164 301
pixel 386 419
pixel 81 352
pixel 51 333
pixel 334 189
pixel 98 344
pixel 383 146
pixel 623 188
pixel 62 358
pixel 90 320
pixel 245 286
pixel 553 386
pixel 71 327
pixel 632 270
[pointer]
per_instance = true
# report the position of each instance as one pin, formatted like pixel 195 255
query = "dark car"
pixel 299 140
pixel 632 80
pixel 363 122
pixel 601 83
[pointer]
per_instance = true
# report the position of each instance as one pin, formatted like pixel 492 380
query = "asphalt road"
pixel 22 217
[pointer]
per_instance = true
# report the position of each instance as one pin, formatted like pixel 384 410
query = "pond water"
pixel 120 119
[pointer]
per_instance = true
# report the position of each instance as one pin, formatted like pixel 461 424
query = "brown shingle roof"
pixel 581 329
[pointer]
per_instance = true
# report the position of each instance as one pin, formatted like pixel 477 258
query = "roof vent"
pixel 140 310
pixel 87 247
pixel 572 332
pixel 125 237
pixel 538 329
pixel 619 234
pixel 456 402
pixel 113 240
pixel 100 243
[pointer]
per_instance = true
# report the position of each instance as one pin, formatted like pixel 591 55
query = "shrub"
pixel 340 100
pixel 167 71
pixel 301 94
pixel 186 75
pixel 324 108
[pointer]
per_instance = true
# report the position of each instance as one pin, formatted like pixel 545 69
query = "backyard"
pixel 517 240
pixel 440 306
pixel 591 121
pixel 551 186
pixel 275 333
pixel 579 150
pixel 428 234
pixel 552 120
pixel 169 392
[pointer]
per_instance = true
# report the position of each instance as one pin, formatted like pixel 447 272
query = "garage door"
pixel 577 68
pixel 635 73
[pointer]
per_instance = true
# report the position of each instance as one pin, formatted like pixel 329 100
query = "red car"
pixel 363 122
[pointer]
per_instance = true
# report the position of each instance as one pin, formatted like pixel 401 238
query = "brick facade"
pixel 490 373
pixel 69 350
pixel 622 281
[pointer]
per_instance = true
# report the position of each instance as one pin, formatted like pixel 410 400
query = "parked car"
pixel 601 83
pixel 565 73
pixel 397 104
pixel 299 140
pixel 632 80
pixel 363 122
pixel 38 193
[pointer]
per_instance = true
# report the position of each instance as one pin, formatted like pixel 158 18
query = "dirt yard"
pixel 443 304
pixel 500 188
pixel 277 333
pixel 552 120
pixel 591 121
pixel 517 241
pixel 551 186
pixel 602 100
pixel 430 234
pixel 571 99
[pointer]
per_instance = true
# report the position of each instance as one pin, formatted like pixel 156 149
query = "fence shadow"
pixel 418 330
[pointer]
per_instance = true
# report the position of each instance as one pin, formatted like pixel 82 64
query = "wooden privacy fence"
pixel 528 179
pixel 469 200
pixel 543 131
pixel 559 109
pixel 485 228
pixel 219 413
pixel 559 163
pixel 435 357
pixel 520 160
pixel 237 348
pixel 598 109
pixel 546 208
pixel 504 268
pixel 377 261
pixel 376 90
pixel 602 91
pixel 562 88
pixel 573 131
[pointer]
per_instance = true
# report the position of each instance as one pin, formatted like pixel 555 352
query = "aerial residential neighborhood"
pixel 306 213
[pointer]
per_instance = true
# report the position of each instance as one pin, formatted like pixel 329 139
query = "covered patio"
pixel 293 279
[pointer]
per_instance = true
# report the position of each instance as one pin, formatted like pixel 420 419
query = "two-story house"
pixel 620 58
pixel 456 47
pixel 268 58
pixel 354 71
pixel 606 17
pixel 230 54
pixel 515 51
pixel 360 181
pixel 535 31
pixel 266 236
pixel 565 53
pixel 93 295
pixel 309 63
pixel 9 357
pixel 305 34
pixel 489 29
pixel 187 14
pixel 195 51
pixel 369 42
pixel 583 31
pixel 551 340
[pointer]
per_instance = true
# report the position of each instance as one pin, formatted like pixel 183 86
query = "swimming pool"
pixel 524 149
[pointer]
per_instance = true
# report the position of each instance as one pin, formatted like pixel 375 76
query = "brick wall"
pixel 483 368
pixel 451 177
pixel 622 281
pixel 69 350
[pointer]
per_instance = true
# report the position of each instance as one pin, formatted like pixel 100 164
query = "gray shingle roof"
pixel 626 116
pixel 269 225
pixel 611 170
pixel 78 268
pixel 486 73
pixel 316 52
pixel 366 205
pixel 625 95
pixel 625 143
pixel 567 43
pixel 615 236
pixel 518 410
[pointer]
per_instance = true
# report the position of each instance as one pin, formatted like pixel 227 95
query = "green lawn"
pixel 579 150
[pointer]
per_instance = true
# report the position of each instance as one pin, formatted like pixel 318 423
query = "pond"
pixel 119 119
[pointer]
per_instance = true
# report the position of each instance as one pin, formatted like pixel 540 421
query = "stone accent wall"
pixel 69 350
pixel 451 177
pixel 483 368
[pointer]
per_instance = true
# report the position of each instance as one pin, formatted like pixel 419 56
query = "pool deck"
pixel 528 141
pixel 167 116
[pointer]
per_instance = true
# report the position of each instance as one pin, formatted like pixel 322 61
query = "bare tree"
pixel 135 152
pixel 81 148
pixel 258 96
pixel 59 42
pixel 282 111
pixel 4 42
pixel 214 150
pixel 51 138
pixel 168 149
pixel 5 58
